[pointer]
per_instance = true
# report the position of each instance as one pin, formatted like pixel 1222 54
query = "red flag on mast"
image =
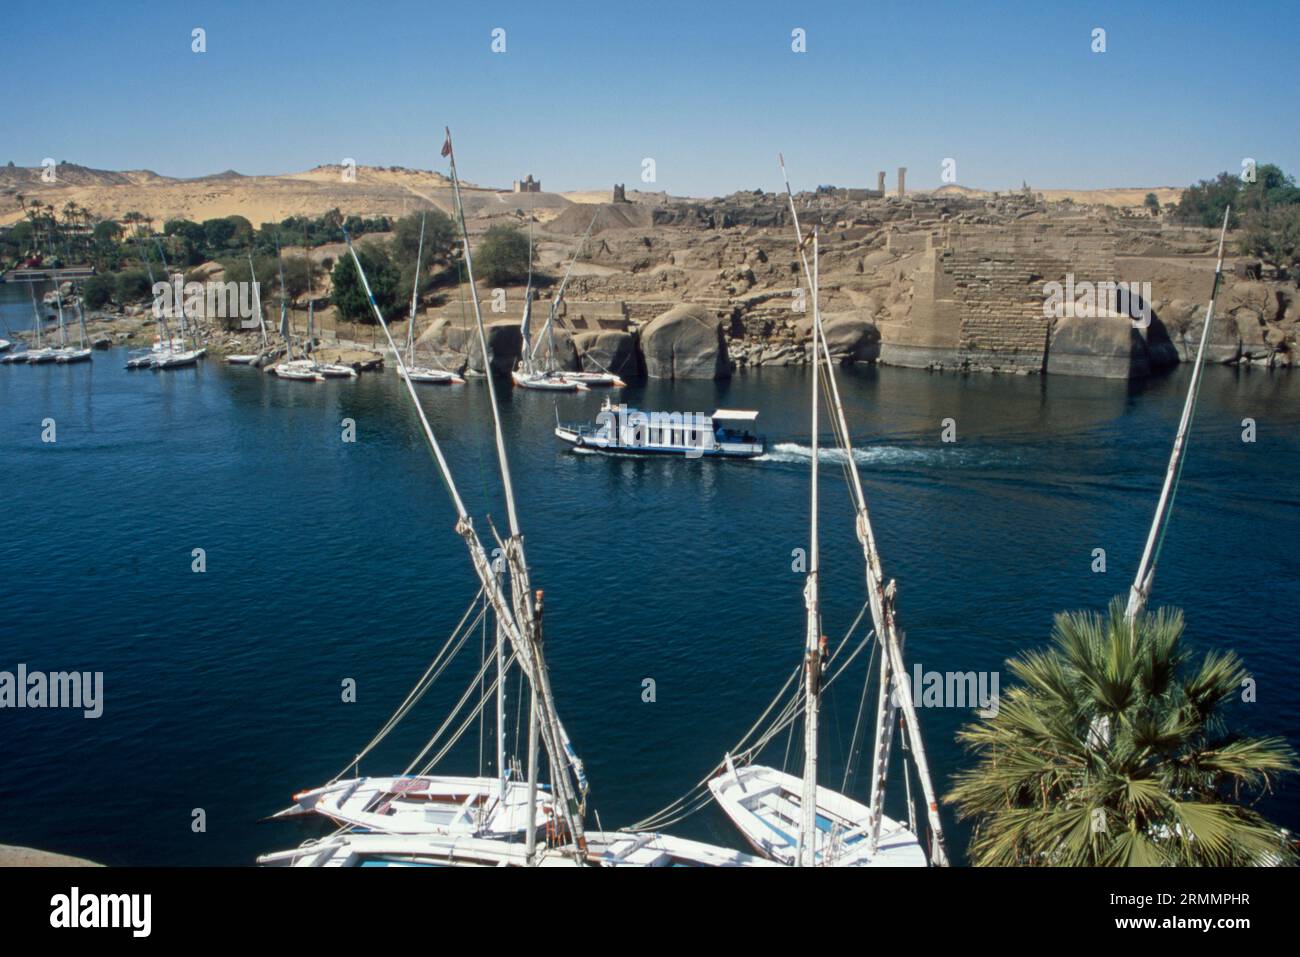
pixel 446 146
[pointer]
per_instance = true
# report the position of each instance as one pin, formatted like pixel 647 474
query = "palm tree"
pixel 1113 751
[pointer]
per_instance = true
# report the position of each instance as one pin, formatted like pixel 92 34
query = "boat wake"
pixel 887 455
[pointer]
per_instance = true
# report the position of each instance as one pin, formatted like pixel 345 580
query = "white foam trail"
pixel 871 455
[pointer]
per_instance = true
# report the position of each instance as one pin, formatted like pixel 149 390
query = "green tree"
pixel 1151 202
pixel 503 255
pixel 1114 750
pixel 1204 203
pixel 97 291
pixel 106 230
pixel 132 285
pixel 348 294
pixel 439 237
pixel 1273 236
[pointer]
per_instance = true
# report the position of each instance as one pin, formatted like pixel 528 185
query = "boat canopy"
pixel 735 415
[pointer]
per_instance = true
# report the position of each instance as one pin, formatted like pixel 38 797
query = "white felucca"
pixel 42 353
pixel 797 821
pixel 295 370
pixel 81 352
pixel 528 374
pixel 248 359
pixel 519 620
pixel 174 355
pixel 418 373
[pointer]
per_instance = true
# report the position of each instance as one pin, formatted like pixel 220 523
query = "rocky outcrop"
pixel 456 346
pixel 851 337
pixel 610 351
pixel 1106 347
pixel 686 342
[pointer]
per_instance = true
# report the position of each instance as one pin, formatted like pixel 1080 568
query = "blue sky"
pixel 711 91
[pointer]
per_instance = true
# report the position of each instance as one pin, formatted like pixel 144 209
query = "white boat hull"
pixel 592 379
pixel 241 360
pixel 176 360
pixel 763 803
pixel 433 376
pixel 547 383
pixel 425 805
pixel 604 849
pixel 334 371
pixel 73 355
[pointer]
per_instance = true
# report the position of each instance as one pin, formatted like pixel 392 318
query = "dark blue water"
pixel 328 560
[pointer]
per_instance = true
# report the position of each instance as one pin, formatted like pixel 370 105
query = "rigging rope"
pixel 431 674
pixel 699 796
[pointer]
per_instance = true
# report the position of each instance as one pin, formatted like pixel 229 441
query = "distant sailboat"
pixel 174 354
pixel 295 370
pixel 417 372
pixel 82 352
pixel 42 353
pixel 23 355
pixel 528 375
pixel 249 359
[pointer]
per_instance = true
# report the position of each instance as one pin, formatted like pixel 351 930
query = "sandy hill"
pixel 375 191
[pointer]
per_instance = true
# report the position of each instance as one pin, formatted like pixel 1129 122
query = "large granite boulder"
pixel 1161 351
pixel 456 346
pixel 686 342
pixel 1106 347
pixel 608 350
pixel 851 337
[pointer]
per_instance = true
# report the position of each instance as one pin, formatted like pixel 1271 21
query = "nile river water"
pixel 328 560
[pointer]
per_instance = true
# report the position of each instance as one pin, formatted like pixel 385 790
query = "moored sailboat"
pixel 248 359
pixel 797 821
pixel 418 373
pixel 519 617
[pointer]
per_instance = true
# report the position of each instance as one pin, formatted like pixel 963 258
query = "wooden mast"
pixel 881 599
pixel 807 850
pixel 415 296
pixel 1140 590
pixel 552 733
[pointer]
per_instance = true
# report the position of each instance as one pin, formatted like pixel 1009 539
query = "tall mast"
pixel 559 296
pixel 807 855
pixel 285 329
pixel 881 599
pixel 499 568
pixel 552 733
pixel 36 314
pixel 81 321
pixel 1140 590
pixel 179 287
pixel 525 330
pixel 164 333
pixel 257 299
pixel 520 641
pixel 415 295
pixel 311 308
pixel 58 299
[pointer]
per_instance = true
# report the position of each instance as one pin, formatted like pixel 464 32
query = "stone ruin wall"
pixel 978 297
